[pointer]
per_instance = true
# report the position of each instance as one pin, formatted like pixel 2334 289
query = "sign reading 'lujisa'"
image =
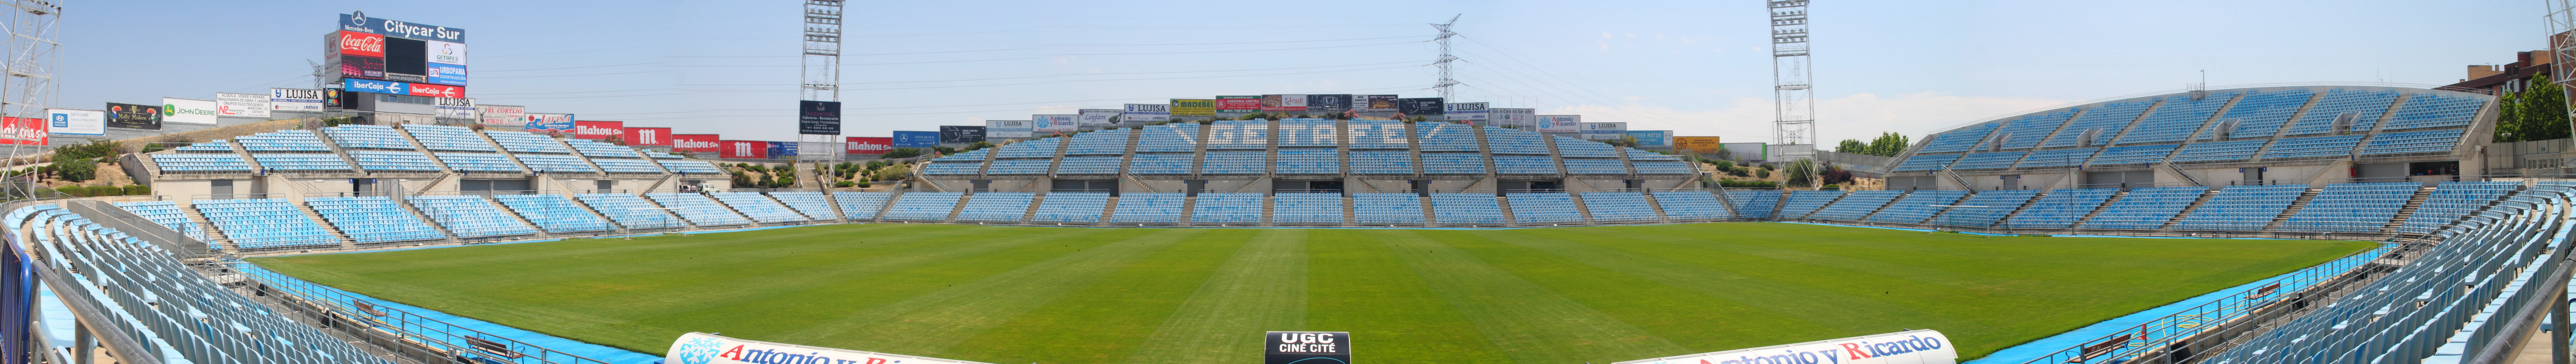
pixel 1909 347
pixel 702 348
pixel 1306 347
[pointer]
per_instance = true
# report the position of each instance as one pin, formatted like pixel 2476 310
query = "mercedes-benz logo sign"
pixel 358 17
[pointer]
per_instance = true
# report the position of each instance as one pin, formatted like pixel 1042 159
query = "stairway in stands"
pixel 2187 209
pixel 1500 204
pixel 1031 213
pixel 405 205
pixel 1267 205
pixel 806 178
pixel 442 178
pixel 1658 205
pixel 1580 208
pixel 896 195
pixel 1111 208
pixel 1881 207
pixel 2016 211
pixel 960 208
pixel 345 243
pixel 2097 209
pixel 213 234
pixel 2407 211
pixel 1427 216
pixel 1190 205
pixel 1780 204
pixel 2295 206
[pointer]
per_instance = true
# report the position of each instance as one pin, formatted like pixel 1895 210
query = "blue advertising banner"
pixel 358 21
pixel 382 87
pixel 780 150
pixel 916 139
pixel 446 74
pixel 1652 138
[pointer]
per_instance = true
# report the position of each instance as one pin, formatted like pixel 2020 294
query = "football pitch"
pixel 1204 295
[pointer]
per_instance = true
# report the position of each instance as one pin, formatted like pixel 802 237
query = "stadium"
pixel 2275 223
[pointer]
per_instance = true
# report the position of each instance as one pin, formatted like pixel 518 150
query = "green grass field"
pixel 1086 295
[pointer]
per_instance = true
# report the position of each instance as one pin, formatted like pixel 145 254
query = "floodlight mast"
pixel 29 87
pixel 822 71
pixel 1796 109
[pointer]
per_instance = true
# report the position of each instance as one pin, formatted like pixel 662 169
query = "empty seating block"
pixel 961 163
pixel 2352 207
pixel 861 205
pixel 1227 208
pixel 757 207
pixel 176 162
pixel 282 141
pixel 2261 114
pixel 1500 140
pixel 1690 205
pixel 2365 106
pixel 2026 132
pixel 2325 146
pixel 372 219
pixel 367 136
pixel 2132 154
pixel 1148 207
pixel 697 209
pixel 1041 148
pixel 1378 134
pixel 598 149
pixel 302 162
pixel 1595 166
pixel 1381 162
pixel 1916 207
pixel 1524 164
pixel 1309 133
pixel 630 211
pixel 1959 141
pixel 2104 123
pixel 2434 110
pixel 2176 119
pixel 1235 162
pixel 1920 162
pixel 479 162
pixel 689 167
pixel 1310 161
pixel 448 138
pixel 1167 163
pixel 1088 165
pixel 522 142
pixel 1856 205
pixel 1072 207
pixel 924 205
pixel 1618 206
pixel 2429 141
pixel 1453 163
pixel 553 213
pixel 1801 203
pixel 1445 137
pixel 264 223
pixel 555 163
pixel 2219 151
pixel 1449 208
pixel 626 165
pixel 1396 208
pixel 1181 137
pixel 1021 166
pixel 167 214
pixel 2058 157
pixel 1104 142
pixel 995 206
pixel 2452 200
pixel 1754 203
pixel 1651 162
pixel 2242 208
pixel 1995 205
pixel 2060 208
pixel 2145 208
pixel 1542 207
pixel 1988 160
pixel 375 161
pixel 215 146
pixel 470 216
pixel 811 204
pixel 1312 208
pixel 1239 135
pixel 1578 148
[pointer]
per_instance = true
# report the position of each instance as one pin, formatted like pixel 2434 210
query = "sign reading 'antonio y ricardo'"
pixel 1306 347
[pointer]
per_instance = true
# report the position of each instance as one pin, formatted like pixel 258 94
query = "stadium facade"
pixel 2469 264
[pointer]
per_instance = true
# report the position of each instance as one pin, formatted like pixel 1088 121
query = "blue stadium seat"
pixel 1922 162
pixel 757 207
pixel 1309 133
pixel 1916 207
pixel 2429 141
pixel 1072 207
pixel 1617 206
pixel 811 204
pixel 1445 137
pixel 1543 207
pixel 372 219
pixel 2134 154
pixel 1239 135
pixel 1381 162
pixel 861 205
pixel 283 141
pixel 2261 114
pixel 167 214
pixel 1089 165
pixel 1149 207
pixel 470 216
pixel 2242 208
pixel 2053 158
pixel 602 150
pixel 2366 106
pixel 1226 208
pixel 2352 207
pixel 2451 201
pixel 923 205
pixel 302 162
pixel 1453 208
pixel 479 162
pixel 1453 163
pixel 1997 204
pixel 379 161
pixel 445 138
pixel 1690 205
pixel 1178 137
pixel 1501 141
pixel 2312 147
pixel 555 163
pixel 2106 122
pixel 698 209
pixel 970 162
pixel 523 142
pixel 1235 162
pixel 1311 208
pixel 2027 131
pixel 1988 160
pixel 367 136
pixel 630 211
pixel 2176 119
pixel 1856 205
pixel 2060 208
pixel 1166 163
pixel 2145 208
pixel 2220 151
pixel 553 213
pixel 183 163
pixel 1405 208
pixel 1754 203
pixel 1959 140
pixel 2432 111
pixel 1800 203
pixel 996 206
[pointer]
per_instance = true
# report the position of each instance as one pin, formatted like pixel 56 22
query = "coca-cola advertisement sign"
pixel 870 145
pixel 597 129
pixel 359 44
pixel 694 142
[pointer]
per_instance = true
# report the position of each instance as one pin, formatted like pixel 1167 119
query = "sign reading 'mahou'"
pixel 702 348
pixel 1909 347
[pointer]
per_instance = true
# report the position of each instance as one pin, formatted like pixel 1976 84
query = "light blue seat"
pixel 553 213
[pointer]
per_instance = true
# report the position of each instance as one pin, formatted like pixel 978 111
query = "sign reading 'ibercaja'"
pixel 703 348
pixel 1910 347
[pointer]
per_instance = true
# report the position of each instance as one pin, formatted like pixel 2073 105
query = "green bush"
pixel 844 184
pixel 898 153
pixel 75 169
pixel 138 190
pixel 93 149
pixel 1746 184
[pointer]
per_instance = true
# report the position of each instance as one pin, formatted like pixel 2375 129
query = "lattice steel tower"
pixel 1796 121
pixel 1444 63
pixel 29 87
pixel 822 71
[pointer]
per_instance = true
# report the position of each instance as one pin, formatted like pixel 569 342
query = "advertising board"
pixel 241 105
pixel 348 43
pixel 749 149
pixel 1283 103
pixel 503 115
pixel 1146 113
pixel 1238 104
pixel 1908 347
pixel 362 66
pixel 695 142
pixel 916 139
pixel 403 88
pixel 335 99
pixel 461 108
pixel 187 111
pixel 23 131
pixel 818 117
pixel 1560 123
pixel 358 21
pixel 1297 347
pixel 782 150
pixel 868 145
pixel 1097 117
pixel 1373 103
pixel 586 129
pixel 76 122
pixel 960 134
pixel 1604 131
pixel 131 116
pixel 1525 119
pixel 1420 106
pixel 547 122
pixel 1697 144
pixel 1193 107
pixel 446 53
pixel 1652 138
pixel 289 99
pixel 450 74
pixel 1050 123
pixel 1471 112
pixel 648 136
pixel 1328 103
pixel 1006 129
pixel 698 348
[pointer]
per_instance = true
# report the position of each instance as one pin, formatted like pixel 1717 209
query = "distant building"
pixel 2509 77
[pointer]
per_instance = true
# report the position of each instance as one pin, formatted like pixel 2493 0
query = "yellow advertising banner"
pixel 1696 144
pixel 1193 107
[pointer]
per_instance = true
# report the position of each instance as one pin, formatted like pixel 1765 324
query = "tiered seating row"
pixel 1310 208
pixel 697 209
pixel 368 219
pixel 1400 208
pixel 553 213
pixel 758 207
pixel 470 216
pixel 448 138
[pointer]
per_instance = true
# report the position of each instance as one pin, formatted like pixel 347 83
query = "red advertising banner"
pixel 752 149
pixel 24 128
pixel 1238 104
pixel 870 145
pixel 647 136
pixel 694 142
pixel 597 129
pixel 360 44
pixel 436 90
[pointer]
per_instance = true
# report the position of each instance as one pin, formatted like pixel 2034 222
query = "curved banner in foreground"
pixel 1909 347
pixel 703 348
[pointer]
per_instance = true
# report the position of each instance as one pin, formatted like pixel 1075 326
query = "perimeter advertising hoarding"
pixel 446 53
pixel 1328 103
pixel 698 348
pixel 31 129
pixel 695 142
pixel 1698 144
pixel 1908 347
pixel 1560 123
pixel 1421 106
pixel 868 145
pixel 1049 123
pixel 362 66
pixel 1472 112
pixel 503 115
pixel 1374 103
pixel 1193 107
pixel 1006 129
pixel 1278 103
pixel 402 88
pixel 586 129
pixel 1238 104
pixel 547 122
pixel 460 108
pixel 241 105
pixel 187 111
pixel 1296 347
pixel 749 149
pixel 782 149
pixel 648 136
pixel 450 74
pixel 1146 113
pixel 289 99
pixel 1604 131
pixel 960 134
pixel 1525 119
pixel 76 122
pixel 916 139
pixel 1096 117
pixel 1652 138
pixel 818 117
pixel 131 116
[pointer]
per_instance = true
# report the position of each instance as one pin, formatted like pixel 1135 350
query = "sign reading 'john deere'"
pixel 1306 347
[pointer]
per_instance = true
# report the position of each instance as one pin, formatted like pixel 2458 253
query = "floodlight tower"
pixel 1796 121
pixel 1444 63
pixel 29 87
pixel 822 71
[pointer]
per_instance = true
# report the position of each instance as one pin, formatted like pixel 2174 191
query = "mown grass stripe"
pixel 1261 288
pixel 1530 323
pixel 1356 283
pixel 931 323
pixel 1100 322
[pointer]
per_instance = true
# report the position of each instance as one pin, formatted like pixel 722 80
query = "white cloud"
pixel 1860 116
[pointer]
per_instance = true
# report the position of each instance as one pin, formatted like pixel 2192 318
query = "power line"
pixel 579 92
pixel 1174 44
pixel 1248 50
pixel 566 68
pixel 589 74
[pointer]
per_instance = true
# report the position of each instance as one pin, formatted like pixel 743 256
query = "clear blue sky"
pixel 1697 67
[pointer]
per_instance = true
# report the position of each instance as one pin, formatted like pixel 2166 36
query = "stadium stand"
pixel 263 223
pixel 444 138
pixel 1618 206
pixel 2452 201
pixel 553 213
pixel 1753 204
pixel 860 205
pixel 392 161
pixel 469 216
pixel 523 142
pixel 1917 206
pixel 1072 207
pixel 2431 111
pixel 1691 205
pixel 1466 208
pixel 1311 208
pixel 2145 208
pixel 810 204
pixel 923 205
pixel 1406 208
pixel 167 214
pixel 2365 106
pixel 2242 207
pixel 283 141
pixel 548 163
pixel 302 162
pixel 995 206
pixel 2027 131
pixel 2154 153
pixel 1856 205
pixel 2261 114
pixel 1543 207
pixel 1226 208
pixel 1801 203
pixel 2060 208
pixel 2352 207
pixel 1998 203
pixel 2176 119
pixel 367 136
pixel 697 209
pixel 372 219
pixel 200 163
pixel 630 211
pixel 211 146
pixel 479 162
pixel 2104 122
pixel 758 207
pixel 1148 207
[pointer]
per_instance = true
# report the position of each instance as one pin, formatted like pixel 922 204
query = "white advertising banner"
pixel 1605 128
pixel 455 107
pixel 1007 129
pixel 187 111
pixel 1526 119
pixel 76 122
pixel 1466 111
pixel 444 52
pixel 1909 347
pixel 1146 113
pixel 1098 117
pixel 1560 123
pixel 504 115
pixel 1050 123
pixel 241 105
pixel 701 348
pixel 294 99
